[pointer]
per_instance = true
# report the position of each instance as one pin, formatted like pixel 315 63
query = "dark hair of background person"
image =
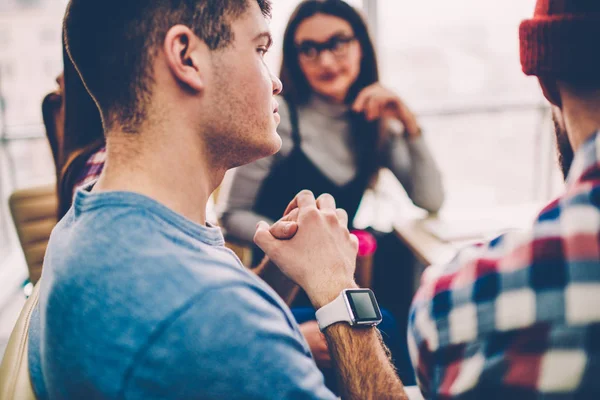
pixel 117 71
pixel 296 89
pixel 83 135
pixel 113 44
pixel 50 106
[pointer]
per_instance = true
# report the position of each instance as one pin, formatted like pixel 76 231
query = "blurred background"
pixel 456 64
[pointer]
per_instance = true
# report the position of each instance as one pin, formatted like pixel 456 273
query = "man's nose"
pixel 277 85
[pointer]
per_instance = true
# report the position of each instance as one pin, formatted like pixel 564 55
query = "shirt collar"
pixel 586 160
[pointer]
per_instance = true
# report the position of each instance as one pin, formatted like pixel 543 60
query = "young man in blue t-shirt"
pixel 139 298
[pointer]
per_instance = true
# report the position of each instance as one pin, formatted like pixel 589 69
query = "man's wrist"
pixel 330 293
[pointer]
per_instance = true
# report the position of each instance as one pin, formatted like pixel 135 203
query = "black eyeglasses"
pixel 338 46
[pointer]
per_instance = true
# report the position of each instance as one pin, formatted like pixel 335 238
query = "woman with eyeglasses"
pixel 339 127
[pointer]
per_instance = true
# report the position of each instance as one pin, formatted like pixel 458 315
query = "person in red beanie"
pixel 520 317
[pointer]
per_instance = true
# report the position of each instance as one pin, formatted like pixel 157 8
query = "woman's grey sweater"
pixel 327 141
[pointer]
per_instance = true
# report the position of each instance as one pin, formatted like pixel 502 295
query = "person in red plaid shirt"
pixel 520 317
pixel 92 169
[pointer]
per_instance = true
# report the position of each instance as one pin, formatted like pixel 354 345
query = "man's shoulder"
pixel 95 223
pixel 108 239
pixel 126 229
pixel 163 307
pixel 129 257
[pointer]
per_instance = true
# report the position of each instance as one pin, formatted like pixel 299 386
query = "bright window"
pixel 32 58
pixel 457 65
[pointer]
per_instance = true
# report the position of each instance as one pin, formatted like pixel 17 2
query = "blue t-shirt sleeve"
pixel 228 343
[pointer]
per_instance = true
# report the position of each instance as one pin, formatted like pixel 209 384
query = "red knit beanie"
pixel 562 40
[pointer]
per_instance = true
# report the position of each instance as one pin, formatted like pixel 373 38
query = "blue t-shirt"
pixel 137 302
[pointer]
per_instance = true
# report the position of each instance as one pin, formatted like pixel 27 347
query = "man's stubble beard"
pixel 232 140
pixel 234 135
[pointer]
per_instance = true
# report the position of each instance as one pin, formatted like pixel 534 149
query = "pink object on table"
pixel 367 244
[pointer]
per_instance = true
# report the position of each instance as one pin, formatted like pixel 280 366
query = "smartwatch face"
pixel 364 306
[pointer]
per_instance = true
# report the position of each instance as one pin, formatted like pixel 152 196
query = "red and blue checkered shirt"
pixel 92 169
pixel 519 318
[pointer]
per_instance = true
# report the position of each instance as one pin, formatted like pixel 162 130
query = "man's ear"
pixel 551 92
pixel 184 53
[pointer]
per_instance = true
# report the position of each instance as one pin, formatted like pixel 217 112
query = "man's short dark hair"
pixel 113 44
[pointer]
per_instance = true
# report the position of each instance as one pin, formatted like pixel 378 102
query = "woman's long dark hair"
pixel 83 135
pixel 51 106
pixel 296 89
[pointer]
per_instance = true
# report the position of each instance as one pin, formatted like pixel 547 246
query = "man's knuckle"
pixel 312 212
pixel 275 252
pixel 353 240
pixel 261 234
pixel 326 197
pixel 330 216
pixel 341 213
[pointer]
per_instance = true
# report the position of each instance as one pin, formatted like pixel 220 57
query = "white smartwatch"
pixel 353 306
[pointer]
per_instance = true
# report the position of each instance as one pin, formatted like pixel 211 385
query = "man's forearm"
pixel 362 364
pixel 272 275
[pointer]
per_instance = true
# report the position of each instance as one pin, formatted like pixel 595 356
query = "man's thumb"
pixel 263 238
pixel 284 230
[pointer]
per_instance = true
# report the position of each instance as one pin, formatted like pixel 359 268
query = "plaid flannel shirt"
pixel 519 318
pixel 92 169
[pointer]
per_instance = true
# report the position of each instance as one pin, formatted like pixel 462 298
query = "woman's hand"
pixel 378 102
pixel 317 343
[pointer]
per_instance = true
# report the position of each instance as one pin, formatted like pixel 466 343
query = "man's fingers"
pixel 262 226
pixel 292 206
pixel 292 216
pixel 354 240
pixel 342 216
pixel 284 230
pixel 326 202
pixel 263 238
pixel 305 198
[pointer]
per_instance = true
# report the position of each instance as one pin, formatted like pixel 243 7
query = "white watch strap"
pixel 334 312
